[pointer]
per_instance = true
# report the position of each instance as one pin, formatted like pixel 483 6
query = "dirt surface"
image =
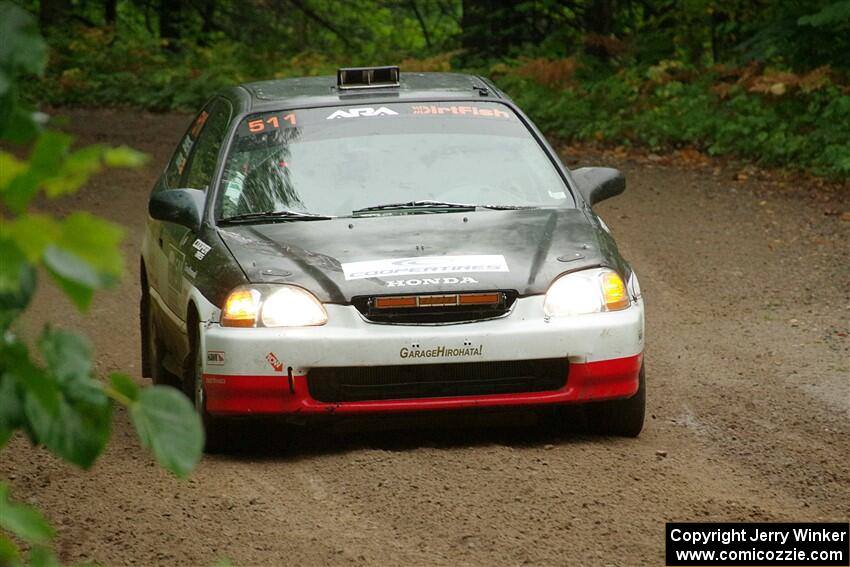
pixel 746 283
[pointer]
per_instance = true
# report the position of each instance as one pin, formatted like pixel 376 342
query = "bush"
pixel 94 68
pixel 773 117
pixel 55 399
pixel 799 129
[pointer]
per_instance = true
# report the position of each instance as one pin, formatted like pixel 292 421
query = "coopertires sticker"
pixel 424 265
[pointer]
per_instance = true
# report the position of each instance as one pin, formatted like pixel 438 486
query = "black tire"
pixel 623 418
pixel 216 430
pixel 154 347
pixel 144 302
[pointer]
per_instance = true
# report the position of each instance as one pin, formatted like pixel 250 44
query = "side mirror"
pixel 599 183
pixel 179 206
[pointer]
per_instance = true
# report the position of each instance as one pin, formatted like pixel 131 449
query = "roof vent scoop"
pixel 367 77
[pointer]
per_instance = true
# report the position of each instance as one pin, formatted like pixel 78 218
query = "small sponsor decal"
pixel 424 265
pixel 442 351
pixel 199 123
pixel 215 357
pixel 363 111
pixel 201 248
pixel 185 148
pixel 275 362
pixel 271 122
pixel 460 111
pixel 432 281
pixel 176 260
pixel 190 272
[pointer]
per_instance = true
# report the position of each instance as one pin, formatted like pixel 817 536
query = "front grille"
pixel 439 311
pixel 360 383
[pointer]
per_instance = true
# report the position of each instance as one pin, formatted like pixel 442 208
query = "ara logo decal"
pixel 215 357
pixel 431 281
pixel 275 362
pixel 363 111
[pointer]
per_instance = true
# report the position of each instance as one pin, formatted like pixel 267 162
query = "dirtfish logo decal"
pixel 363 111
pixel 441 352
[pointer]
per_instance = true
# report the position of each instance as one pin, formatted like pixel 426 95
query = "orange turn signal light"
pixel 480 299
pixel 240 309
pixel 437 300
pixel 614 291
pixel 451 300
pixel 395 302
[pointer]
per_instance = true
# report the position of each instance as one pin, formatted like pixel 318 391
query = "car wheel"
pixel 155 351
pixel 619 417
pixel 215 429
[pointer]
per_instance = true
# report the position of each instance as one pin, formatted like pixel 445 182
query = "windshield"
pixel 332 161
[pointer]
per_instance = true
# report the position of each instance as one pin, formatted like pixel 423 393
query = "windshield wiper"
pixel 415 205
pixel 507 207
pixel 438 205
pixel 274 216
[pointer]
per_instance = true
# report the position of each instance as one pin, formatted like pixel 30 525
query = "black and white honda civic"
pixel 385 242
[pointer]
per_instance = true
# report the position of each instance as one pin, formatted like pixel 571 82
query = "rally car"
pixel 383 242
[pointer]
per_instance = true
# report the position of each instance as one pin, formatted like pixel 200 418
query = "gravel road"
pixel 748 367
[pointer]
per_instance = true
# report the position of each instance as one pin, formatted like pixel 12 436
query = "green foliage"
pixel 60 405
pixel 28 524
pixel 648 73
pixel 165 421
pixel 834 14
pixel 22 51
pixel 24 521
pixel 805 131
pixel 56 400
pixel 96 66
pixel 167 424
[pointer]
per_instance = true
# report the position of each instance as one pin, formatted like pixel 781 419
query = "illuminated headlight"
pixel 272 306
pixel 587 291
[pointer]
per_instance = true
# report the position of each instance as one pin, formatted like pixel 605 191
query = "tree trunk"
pixel 492 27
pixel 110 11
pixel 422 25
pixel 599 17
pixel 52 13
pixel 169 19
pixel 207 15
pixel 599 22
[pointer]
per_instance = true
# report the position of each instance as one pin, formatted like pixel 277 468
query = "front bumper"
pixel 265 371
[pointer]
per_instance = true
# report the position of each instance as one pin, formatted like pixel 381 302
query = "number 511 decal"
pixel 261 124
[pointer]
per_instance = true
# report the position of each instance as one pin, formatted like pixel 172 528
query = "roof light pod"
pixel 367 77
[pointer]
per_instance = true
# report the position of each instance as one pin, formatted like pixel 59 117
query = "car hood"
pixel 521 250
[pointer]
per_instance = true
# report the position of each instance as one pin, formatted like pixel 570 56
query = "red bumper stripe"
pixel 246 395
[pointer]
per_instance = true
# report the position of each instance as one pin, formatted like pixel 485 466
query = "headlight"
pixel 272 306
pixel 587 291
pixel 293 307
